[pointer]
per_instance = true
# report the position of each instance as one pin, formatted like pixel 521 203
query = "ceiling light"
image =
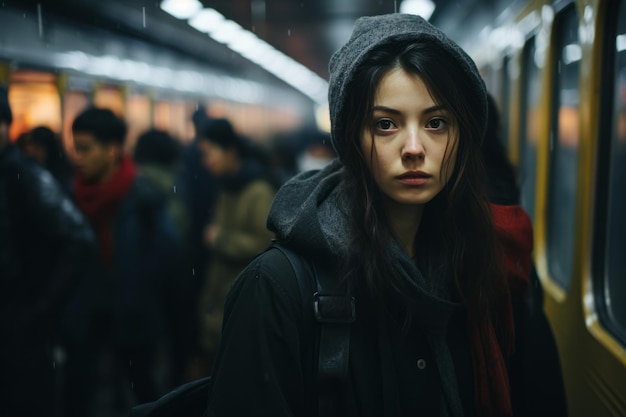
pixel 248 45
pixel 424 8
pixel 207 20
pixel 181 9
pixel 245 43
pixel 226 31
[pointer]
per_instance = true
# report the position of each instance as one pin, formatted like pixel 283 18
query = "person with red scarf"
pixel 120 310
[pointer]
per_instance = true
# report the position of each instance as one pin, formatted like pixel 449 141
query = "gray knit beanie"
pixel 370 32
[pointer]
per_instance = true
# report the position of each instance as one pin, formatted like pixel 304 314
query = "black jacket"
pixel 266 363
pixel 264 310
pixel 46 247
pixel 277 376
pixel 128 294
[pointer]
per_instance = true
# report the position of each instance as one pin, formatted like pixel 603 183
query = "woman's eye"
pixel 384 124
pixel 436 124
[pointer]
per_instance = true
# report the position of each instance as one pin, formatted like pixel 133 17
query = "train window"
pixel 162 115
pixel 109 97
pixel 563 148
pixel 182 126
pixel 175 118
pixel 615 261
pixel 35 101
pixel 529 125
pixel 138 118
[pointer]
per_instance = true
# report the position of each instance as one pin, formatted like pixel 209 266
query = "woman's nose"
pixel 413 146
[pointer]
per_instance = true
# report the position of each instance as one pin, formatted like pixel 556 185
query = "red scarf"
pixel 99 201
pixel 515 235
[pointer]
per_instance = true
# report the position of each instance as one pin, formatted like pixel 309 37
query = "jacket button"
pixel 421 364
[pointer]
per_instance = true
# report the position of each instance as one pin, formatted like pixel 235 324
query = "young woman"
pixel 401 217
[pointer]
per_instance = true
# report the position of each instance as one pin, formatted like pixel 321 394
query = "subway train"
pixel 558 73
pixel 556 68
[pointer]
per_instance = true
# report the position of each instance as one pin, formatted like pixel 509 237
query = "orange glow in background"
pixel 109 97
pixel 138 118
pixel 35 101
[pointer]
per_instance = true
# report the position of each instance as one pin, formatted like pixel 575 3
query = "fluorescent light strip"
pixel 185 81
pixel 250 46
pixel 181 9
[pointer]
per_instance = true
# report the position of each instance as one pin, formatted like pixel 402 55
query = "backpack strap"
pixel 309 340
pixel 333 312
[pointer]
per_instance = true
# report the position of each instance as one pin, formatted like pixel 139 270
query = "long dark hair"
pixel 502 185
pixel 456 239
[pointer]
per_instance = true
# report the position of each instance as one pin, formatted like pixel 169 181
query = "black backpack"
pixel 331 310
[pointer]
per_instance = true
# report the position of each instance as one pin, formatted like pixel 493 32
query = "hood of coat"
pixel 308 213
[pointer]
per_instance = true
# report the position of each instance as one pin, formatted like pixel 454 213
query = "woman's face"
pixel 410 141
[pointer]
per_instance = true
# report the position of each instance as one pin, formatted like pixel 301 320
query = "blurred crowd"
pixel 114 266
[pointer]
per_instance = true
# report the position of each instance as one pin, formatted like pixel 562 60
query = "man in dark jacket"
pixel 121 313
pixel 46 246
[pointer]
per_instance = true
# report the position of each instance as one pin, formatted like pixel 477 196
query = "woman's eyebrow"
pixel 428 110
pixel 385 109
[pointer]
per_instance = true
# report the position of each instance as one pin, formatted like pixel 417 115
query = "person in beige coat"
pixel 237 231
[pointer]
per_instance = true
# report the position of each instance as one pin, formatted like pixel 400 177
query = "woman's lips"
pixel 414 178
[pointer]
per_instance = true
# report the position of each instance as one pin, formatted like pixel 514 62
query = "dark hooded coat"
pixel 391 373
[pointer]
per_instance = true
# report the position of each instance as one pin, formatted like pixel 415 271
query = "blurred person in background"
pixel 199 191
pixel 284 150
pixel 317 153
pixel 304 149
pixel 237 231
pixel 42 144
pixel 22 141
pixel 158 157
pixel 119 315
pixel 46 247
